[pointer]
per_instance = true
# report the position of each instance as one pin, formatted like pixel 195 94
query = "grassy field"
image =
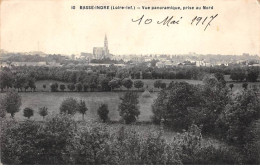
pixel 52 101
pixel 238 85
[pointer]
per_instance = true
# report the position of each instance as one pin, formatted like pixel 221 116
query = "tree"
pixel 26 86
pixel 20 81
pixel 62 87
pixel 82 108
pixel 114 83
pixel 54 87
pixel 159 107
pixel 219 76
pixel 92 86
pixel 43 111
pixel 79 87
pixel 11 102
pixel 163 85
pixel 6 79
pixel 104 84
pixel 244 85
pixel 231 85
pixel 239 116
pixel 103 112
pixel 69 106
pixel 237 74
pixel 178 105
pixel 71 87
pixel 127 83
pixel 252 75
pixel 85 87
pixel 73 77
pixel 138 84
pixel 157 83
pixel 27 112
pixel 44 86
pixel 2 109
pixel 31 84
pixel 128 108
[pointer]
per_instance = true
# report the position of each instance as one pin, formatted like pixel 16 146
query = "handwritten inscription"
pixel 171 20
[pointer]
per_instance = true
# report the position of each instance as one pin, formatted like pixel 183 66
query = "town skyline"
pixel 67 31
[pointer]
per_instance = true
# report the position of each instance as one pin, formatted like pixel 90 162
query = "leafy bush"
pixel 92 147
pixel 178 105
pixel 127 83
pixel 28 112
pixel 211 155
pixel 60 141
pixel 239 116
pixel 69 106
pixel 62 87
pixel 43 111
pixel 18 143
pixel 128 108
pixel 79 87
pixel 103 112
pixel 138 84
pixel 82 108
pixel 11 102
pixel 54 87
pixel 32 143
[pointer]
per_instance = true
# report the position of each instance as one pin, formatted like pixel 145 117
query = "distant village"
pixel 102 57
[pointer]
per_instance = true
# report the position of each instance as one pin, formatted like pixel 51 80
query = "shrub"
pixel 62 87
pixel 231 85
pixel 239 116
pixel 114 83
pixel 71 87
pixel 157 83
pixel 103 112
pixel 54 87
pixel 82 108
pixel 92 147
pixel 44 86
pixel 127 83
pixel 55 141
pixel 211 155
pixel 27 112
pixel 138 84
pixel 79 87
pixel 85 87
pixel 69 106
pixel 128 108
pixel 18 143
pixel 43 111
pixel 245 85
pixel 163 85
pixel 11 102
pixel 178 106
pixel 128 147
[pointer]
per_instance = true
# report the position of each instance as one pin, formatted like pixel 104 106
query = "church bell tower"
pixel 106 47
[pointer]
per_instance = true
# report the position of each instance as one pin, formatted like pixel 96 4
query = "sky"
pixel 53 27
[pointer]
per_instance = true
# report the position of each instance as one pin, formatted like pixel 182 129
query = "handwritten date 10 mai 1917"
pixel 167 21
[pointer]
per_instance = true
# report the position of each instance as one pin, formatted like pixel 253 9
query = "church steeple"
pixel 106 43
pixel 106 51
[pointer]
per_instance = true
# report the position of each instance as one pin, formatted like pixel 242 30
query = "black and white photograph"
pixel 129 82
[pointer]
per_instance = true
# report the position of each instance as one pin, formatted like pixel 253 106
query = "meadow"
pixel 52 101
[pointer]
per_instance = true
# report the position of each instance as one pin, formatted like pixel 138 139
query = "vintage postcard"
pixel 130 82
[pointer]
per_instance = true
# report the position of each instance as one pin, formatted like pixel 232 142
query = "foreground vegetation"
pixel 194 111
pixel 60 140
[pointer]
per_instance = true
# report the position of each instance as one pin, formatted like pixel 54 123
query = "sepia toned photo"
pixel 130 82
